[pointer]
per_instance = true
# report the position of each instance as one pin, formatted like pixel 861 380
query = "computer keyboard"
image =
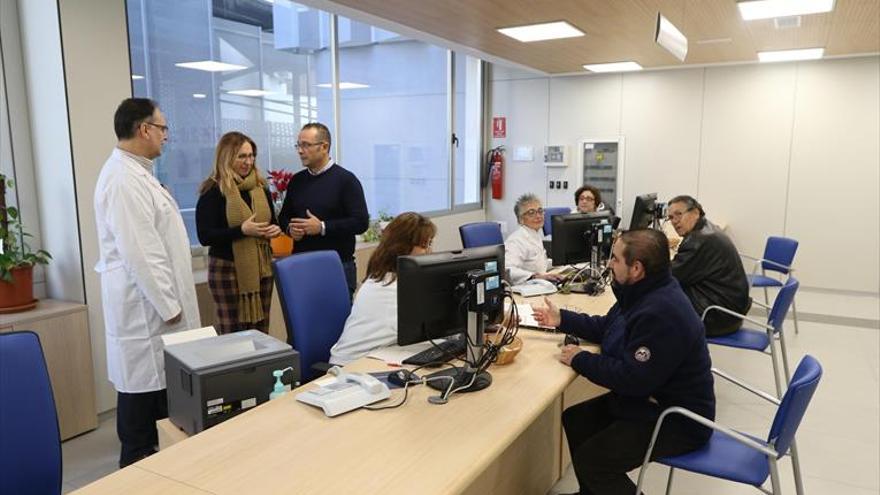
pixel 442 352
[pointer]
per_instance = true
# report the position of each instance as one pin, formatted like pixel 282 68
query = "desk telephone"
pixel 347 392
pixel 535 287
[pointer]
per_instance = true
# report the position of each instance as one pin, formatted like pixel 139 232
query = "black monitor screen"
pixel 572 242
pixel 643 211
pixel 431 299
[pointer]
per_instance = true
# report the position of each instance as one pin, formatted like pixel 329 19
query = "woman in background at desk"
pixel 234 216
pixel 373 319
pixel 524 254
pixel 588 199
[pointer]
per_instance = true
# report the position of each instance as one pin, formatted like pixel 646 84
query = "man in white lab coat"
pixel 147 286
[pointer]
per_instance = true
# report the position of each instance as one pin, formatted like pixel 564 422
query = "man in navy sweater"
pixel 654 356
pixel 324 207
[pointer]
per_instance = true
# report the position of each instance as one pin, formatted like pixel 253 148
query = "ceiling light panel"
pixel 789 55
pixel 767 9
pixel 211 66
pixel 541 32
pixel 614 67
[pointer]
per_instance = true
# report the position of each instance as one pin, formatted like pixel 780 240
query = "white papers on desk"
pixel 188 335
pixel 526 319
pixel 395 354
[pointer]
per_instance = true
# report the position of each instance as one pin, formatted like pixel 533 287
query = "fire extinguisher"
pixel 496 171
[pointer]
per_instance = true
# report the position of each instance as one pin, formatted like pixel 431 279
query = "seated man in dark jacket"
pixel 708 267
pixel 654 356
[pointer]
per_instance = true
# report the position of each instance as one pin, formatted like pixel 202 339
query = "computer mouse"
pixel 401 377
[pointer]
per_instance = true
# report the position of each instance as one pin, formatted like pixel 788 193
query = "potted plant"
pixel 17 259
pixel 374 231
pixel 278 180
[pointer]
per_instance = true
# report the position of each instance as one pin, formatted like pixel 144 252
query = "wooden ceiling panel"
pixel 620 30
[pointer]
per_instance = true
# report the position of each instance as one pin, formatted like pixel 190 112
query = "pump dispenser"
pixel 280 388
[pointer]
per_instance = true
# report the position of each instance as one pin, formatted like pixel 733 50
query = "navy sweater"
pixel 337 198
pixel 653 347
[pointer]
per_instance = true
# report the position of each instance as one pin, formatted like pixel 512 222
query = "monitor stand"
pixel 466 378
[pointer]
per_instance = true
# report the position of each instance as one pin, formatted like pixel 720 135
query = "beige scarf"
pixel 251 255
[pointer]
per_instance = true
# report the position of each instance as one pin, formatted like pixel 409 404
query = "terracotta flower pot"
pixel 19 294
pixel 281 246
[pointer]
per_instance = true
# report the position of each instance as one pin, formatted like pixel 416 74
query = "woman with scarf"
pixel 234 216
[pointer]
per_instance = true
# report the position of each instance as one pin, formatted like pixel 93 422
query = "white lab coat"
pixel 524 254
pixel 372 323
pixel 145 269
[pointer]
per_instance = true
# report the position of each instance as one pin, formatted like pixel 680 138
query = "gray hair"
pixel 689 202
pixel 521 202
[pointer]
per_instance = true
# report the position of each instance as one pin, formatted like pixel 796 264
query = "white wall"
pixel 779 149
pixel 50 147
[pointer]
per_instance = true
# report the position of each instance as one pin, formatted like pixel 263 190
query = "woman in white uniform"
pixel 524 254
pixel 373 319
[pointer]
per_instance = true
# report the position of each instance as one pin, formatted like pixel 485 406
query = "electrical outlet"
pixel 558 185
pixel 551 184
pixel 565 184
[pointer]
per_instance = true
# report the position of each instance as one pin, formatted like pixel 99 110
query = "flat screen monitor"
pixel 643 211
pixel 575 235
pixel 431 293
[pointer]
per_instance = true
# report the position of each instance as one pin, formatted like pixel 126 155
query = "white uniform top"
pixel 145 269
pixel 524 254
pixel 371 324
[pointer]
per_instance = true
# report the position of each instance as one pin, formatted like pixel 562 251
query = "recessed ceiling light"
pixel 788 55
pixel 248 92
pixel 136 77
pixel 541 32
pixel 613 67
pixel 345 85
pixel 199 95
pixel 765 9
pixel 211 66
pixel 669 37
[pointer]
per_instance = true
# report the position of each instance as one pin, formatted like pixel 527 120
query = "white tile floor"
pixel 839 439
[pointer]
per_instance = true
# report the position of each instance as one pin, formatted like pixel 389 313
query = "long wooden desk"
pixel 505 439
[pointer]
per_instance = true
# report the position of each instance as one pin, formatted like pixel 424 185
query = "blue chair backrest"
pixel 30 441
pixel 782 303
pixel 794 403
pixel 779 250
pixel 315 302
pixel 548 217
pixel 479 234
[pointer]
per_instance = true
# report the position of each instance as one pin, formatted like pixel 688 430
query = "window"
pixel 266 69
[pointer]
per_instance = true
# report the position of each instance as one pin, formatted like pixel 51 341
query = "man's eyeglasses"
pixel 304 144
pixel 533 212
pixel 676 215
pixel 163 128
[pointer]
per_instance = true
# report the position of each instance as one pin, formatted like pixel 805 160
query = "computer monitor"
pixel 644 211
pixel 431 292
pixel 576 234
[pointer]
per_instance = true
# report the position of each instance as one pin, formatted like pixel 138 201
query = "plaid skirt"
pixel 224 291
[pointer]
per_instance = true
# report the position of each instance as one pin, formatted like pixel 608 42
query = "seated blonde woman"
pixel 524 254
pixel 373 319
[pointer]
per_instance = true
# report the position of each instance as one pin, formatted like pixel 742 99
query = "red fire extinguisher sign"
pixel 499 127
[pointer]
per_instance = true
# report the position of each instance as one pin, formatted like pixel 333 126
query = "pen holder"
pixel 509 352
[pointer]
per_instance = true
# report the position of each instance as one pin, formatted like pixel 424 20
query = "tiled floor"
pixel 839 440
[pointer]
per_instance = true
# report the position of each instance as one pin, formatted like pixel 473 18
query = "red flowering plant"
pixel 278 180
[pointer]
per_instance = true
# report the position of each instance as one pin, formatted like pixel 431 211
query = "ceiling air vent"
pixel 787 22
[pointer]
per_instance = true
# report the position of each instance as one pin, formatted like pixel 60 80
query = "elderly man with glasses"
pixel 525 256
pixel 324 207
pixel 708 266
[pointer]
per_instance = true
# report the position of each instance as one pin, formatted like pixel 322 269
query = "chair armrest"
pixel 734 313
pixel 760 393
pixel 739 437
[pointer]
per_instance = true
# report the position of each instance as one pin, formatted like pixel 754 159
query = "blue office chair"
pixel 479 234
pixel 760 340
pixel 735 456
pixel 30 441
pixel 315 302
pixel 778 258
pixel 549 213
